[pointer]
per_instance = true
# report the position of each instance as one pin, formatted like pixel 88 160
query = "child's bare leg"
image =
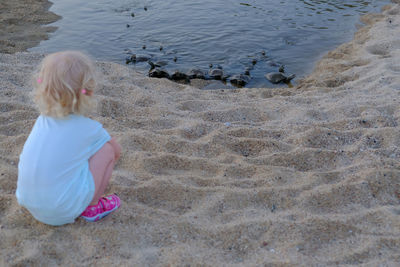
pixel 101 166
pixel 117 148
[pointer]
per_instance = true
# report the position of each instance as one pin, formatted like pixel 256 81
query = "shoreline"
pixel 328 71
pixel 246 177
pixel 23 24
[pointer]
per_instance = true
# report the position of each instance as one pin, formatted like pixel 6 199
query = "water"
pixel 229 33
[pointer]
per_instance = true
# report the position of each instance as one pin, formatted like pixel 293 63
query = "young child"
pixel 67 160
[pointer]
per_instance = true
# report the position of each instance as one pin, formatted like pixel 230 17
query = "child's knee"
pixel 117 148
pixel 108 151
pixel 104 156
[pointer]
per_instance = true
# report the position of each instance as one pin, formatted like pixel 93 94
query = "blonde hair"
pixel 64 84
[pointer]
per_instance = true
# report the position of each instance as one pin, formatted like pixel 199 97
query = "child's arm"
pixel 117 148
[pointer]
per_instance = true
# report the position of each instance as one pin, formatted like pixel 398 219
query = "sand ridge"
pixel 305 176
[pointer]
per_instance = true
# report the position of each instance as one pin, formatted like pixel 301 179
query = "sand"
pixel 22 24
pixel 303 176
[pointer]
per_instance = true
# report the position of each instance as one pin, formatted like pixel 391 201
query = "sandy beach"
pixel 303 176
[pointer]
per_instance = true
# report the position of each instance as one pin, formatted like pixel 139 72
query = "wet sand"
pixel 304 176
pixel 22 24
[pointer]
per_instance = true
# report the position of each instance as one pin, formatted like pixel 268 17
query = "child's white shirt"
pixel 54 180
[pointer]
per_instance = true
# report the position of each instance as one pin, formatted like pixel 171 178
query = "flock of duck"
pixel 158 70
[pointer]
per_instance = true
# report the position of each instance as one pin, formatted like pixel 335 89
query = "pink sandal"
pixel 105 206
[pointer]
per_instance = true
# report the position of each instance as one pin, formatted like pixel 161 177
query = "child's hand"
pixel 117 148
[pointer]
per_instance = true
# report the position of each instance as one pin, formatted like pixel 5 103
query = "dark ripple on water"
pixel 228 33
